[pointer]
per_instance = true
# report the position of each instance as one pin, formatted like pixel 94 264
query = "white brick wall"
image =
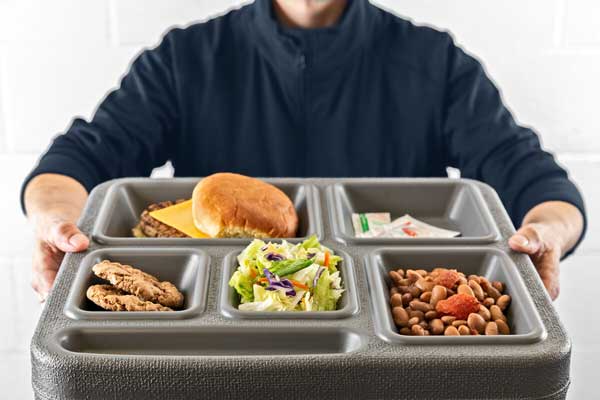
pixel 3 134
pixel 132 25
pixel 581 23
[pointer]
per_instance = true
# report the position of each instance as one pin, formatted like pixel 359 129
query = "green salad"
pixel 287 277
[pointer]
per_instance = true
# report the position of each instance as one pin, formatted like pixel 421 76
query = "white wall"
pixel 58 58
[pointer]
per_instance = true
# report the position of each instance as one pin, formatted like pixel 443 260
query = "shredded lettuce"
pixel 317 286
pixel 251 251
pixel 311 243
pixel 334 260
pixel 325 295
pixel 265 300
pixel 242 284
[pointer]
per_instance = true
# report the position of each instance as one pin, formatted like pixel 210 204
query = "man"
pixel 306 88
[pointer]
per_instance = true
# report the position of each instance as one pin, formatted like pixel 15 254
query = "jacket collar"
pixel 320 49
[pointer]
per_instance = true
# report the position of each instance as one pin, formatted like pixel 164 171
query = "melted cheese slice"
pixel 179 217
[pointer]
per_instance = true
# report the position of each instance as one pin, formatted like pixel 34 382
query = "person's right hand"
pixel 53 202
pixel 54 237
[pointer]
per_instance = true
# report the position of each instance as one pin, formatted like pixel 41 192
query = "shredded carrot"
pixel 263 280
pixel 409 232
pixel 298 284
pixel 326 259
pixel 253 273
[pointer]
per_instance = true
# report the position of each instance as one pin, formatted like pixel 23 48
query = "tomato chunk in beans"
pixel 447 278
pixel 459 306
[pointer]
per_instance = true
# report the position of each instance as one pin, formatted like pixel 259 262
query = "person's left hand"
pixel 536 239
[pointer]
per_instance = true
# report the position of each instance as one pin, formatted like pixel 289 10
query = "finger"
pixel 68 238
pixel 527 240
pixel 46 281
pixel 46 257
pixel 36 288
pixel 549 271
pixel 39 288
pixel 46 262
pixel 42 282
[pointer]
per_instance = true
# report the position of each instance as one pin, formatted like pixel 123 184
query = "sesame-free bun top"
pixel 233 205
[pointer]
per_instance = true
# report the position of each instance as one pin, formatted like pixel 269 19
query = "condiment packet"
pixel 371 225
pixel 407 226
pixel 368 225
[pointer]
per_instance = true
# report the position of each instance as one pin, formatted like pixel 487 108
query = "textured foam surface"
pixel 375 370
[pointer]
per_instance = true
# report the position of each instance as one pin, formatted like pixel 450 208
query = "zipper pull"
pixel 302 61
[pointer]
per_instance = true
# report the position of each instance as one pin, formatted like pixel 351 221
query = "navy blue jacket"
pixel 373 96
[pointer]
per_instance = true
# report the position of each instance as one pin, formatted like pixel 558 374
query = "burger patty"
pixel 151 227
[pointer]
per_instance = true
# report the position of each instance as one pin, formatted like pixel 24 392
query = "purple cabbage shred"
pixel 274 257
pixel 318 275
pixel 275 283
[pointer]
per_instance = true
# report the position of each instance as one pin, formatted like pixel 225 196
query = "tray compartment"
pixel 186 268
pixel 348 303
pixel 210 341
pixel 127 198
pixel 446 203
pixel 494 264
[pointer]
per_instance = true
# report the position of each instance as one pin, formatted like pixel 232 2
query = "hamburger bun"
pixel 232 205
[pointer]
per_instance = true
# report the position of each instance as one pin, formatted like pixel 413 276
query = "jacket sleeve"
pixel 485 143
pixel 132 131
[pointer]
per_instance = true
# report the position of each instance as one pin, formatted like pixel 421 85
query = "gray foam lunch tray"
pixel 210 349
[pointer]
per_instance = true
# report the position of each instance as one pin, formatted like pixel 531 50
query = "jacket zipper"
pixel 305 111
pixel 302 170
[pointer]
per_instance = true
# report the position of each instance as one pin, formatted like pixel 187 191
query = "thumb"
pixel 67 237
pixel 527 240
